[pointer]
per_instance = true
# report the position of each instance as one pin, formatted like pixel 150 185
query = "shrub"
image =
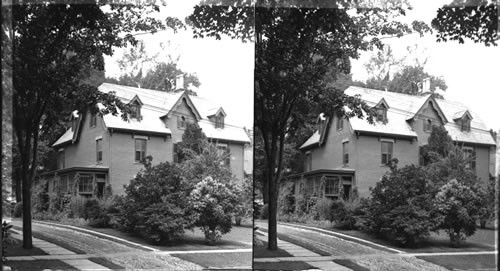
pixel 257 208
pixel 156 204
pixel 77 206
pixel 265 212
pixel 401 206
pixel 215 203
pixel 18 209
pixel 459 204
pixel 40 199
pixel 323 208
pixel 345 212
pixel 97 212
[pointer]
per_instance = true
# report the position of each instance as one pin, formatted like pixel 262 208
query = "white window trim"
pixel 387 140
pixel 98 137
pixel 345 140
pixel 221 145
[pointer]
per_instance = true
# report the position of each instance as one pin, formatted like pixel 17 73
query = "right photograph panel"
pixel 375 146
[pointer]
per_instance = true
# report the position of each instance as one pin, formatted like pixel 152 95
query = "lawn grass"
pixel 39 265
pixel 463 262
pixel 18 250
pixel 482 240
pixel 238 237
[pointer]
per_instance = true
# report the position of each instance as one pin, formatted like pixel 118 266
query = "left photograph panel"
pixel 127 135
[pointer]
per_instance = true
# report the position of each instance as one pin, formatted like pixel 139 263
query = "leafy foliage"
pixel 161 76
pixel 473 19
pixel 56 47
pixel 156 204
pixel 215 203
pixel 401 206
pixel 459 204
pixel 455 165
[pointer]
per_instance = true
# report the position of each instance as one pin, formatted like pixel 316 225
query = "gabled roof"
pixel 435 105
pixel 462 114
pixel 189 102
pixel 65 138
pixel 311 141
pixel 137 100
pixel 156 105
pixel 382 102
pixel 405 107
pixel 216 111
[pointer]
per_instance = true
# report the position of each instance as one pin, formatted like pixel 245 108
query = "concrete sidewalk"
pixel 58 253
pixel 304 255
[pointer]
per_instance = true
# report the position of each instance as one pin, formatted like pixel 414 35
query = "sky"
pixel 225 67
pixel 470 70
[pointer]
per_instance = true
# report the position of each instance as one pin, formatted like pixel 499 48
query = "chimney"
pixel 426 85
pixel 179 82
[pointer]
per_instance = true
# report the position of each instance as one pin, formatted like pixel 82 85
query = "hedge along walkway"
pixel 58 253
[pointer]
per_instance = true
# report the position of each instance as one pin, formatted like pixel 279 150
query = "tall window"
pixel 340 123
pixel 135 111
pixel 219 121
pixel 382 113
pixel 427 125
pixel 181 122
pixel 93 120
pixel 85 185
pixel 465 127
pixel 332 186
pixel 345 151
pixel 470 154
pixel 60 159
pixel 224 150
pixel 98 146
pixel 386 152
pixel 176 155
pixel 140 149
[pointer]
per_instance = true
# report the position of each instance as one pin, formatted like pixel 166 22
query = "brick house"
pixel 348 153
pixel 96 151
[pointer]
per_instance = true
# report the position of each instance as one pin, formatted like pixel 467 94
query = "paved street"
pixel 328 248
pixel 79 249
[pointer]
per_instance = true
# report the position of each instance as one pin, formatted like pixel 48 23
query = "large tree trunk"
pixel 272 242
pixel 27 233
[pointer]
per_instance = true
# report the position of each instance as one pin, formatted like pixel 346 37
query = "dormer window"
pixel 135 111
pixel 219 121
pixel 381 110
pixel 463 119
pixel 465 124
pixel 382 113
pixel 135 108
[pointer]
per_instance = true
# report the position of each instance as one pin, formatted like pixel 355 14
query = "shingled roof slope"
pixel 403 107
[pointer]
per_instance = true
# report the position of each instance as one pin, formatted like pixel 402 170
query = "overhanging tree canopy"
pixel 295 47
pixel 55 48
